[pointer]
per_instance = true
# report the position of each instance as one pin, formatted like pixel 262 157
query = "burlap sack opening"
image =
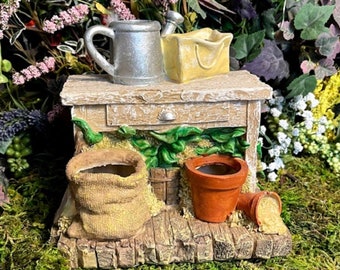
pixel 108 186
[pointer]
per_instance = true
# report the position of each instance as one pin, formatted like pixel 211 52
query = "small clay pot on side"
pixel 248 203
pixel 215 182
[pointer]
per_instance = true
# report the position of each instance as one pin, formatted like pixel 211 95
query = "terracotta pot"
pixel 215 182
pixel 248 203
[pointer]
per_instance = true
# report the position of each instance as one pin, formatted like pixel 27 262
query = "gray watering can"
pixel 135 49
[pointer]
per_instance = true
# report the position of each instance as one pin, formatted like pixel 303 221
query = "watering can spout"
pixel 173 19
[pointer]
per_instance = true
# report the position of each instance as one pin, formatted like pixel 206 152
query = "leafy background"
pixel 291 45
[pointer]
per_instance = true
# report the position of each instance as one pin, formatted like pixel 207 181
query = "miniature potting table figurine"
pixel 231 100
pixel 228 100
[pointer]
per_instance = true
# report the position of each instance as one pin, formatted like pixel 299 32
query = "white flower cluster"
pixel 293 129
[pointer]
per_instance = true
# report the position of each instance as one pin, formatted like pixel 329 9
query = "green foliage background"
pixel 310 193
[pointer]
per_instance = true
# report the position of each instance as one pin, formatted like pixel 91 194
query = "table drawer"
pixel 232 113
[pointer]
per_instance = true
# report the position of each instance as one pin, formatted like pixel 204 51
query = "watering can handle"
pixel 208 66
pixel 98 57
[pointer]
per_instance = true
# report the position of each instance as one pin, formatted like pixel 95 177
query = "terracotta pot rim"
pixel 213 181
pixel 198 161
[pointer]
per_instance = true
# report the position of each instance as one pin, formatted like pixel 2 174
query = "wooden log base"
pixel 170 238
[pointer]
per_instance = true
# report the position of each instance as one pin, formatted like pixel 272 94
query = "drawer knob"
pixel 167 116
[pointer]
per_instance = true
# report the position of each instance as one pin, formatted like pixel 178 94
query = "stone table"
pixel 230 100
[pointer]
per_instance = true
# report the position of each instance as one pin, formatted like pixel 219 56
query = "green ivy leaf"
pixel 172 135
pixel 151 162
pixel 178 146
pixel 243 144
pixel 207 150
pixel 302 85
pixel 221 137
pixel 167 156
pixel 126 131
pixel 229 147
pixel 150 151
pixel 140 143
pixel 239 132
pixel 311 20
pixel 249 46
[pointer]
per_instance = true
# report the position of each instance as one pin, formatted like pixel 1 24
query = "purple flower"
pixel 57 111
pixel 36 119
pixel 12 122
pixel 17 120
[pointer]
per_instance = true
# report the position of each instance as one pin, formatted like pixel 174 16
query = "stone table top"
pixel 97 89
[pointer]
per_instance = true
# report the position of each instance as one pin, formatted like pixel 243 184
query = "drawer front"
pixel 231 113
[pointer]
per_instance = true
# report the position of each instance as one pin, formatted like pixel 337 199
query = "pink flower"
pixel 287 30
pixel 6 11
pixel 42 67
pixel 122 11
pixel 50 27
pixel 306 66
pixel 27 73
pixel 78 12
pixel 18 78
pixel 49 62
pixel 71 16
pixel 83 9
pixel 34 71
pixel 66 17
pixel 58 22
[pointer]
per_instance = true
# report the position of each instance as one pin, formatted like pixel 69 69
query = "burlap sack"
pixel 108 187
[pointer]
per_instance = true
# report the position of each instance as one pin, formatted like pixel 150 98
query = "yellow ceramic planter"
pixel 198 54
